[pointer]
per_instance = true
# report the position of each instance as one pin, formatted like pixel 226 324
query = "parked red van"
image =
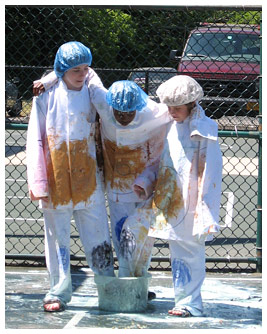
pixel 225 60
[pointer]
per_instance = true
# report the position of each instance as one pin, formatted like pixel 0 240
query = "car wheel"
pixel 15 110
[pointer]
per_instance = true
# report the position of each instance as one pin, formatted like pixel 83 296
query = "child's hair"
pixel 70 55
pixel 190 106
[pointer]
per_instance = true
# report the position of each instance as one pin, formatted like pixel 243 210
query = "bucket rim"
pixel 100 278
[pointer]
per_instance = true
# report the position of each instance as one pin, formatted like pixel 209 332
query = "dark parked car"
pixel 225 60
pixel 13 104
pixel 149 78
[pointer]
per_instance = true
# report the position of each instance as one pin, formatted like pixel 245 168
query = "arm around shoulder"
pixel 44 83
pixel 97 93
pixel 93 78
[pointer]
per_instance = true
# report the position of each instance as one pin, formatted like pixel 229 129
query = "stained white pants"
pixel 93 229
pixel 188 271
pixel 132 245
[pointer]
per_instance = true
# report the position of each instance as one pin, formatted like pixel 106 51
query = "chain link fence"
pixel 219 47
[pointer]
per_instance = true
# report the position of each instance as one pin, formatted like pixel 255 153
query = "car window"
pixel 152 76
pixel 224 46
pixel 136 75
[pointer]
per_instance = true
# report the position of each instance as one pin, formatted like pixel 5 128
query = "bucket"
pixel 122 294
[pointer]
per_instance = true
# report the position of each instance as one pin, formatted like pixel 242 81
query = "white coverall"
pixel 187 202
pixel 61 164
pixel 131 156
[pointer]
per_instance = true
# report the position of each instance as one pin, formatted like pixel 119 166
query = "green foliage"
pixel 119 38
pixel 106 32
pixel 230 17
pixel 251 17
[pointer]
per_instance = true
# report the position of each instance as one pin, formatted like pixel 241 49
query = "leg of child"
pixel 94 233
pixel 144 259
pixel 119 211
pixel 188 270
pixel 135 245
pixel 57 250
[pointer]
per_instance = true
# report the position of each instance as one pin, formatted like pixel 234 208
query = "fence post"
pixel 259 204
pixel 259 212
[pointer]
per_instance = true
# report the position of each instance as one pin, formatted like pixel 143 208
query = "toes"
pixel 53 307
pixel 180 313
pixel 176 312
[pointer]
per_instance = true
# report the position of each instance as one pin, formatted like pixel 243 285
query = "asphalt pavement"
pixel 231 301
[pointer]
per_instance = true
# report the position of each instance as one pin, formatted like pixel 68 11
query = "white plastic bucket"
pixel 122 294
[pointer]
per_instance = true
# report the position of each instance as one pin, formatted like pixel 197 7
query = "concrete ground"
pixel 231 301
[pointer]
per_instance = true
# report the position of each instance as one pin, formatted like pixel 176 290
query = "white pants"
pixel 131 242
pixel 188 271
pixel 93 229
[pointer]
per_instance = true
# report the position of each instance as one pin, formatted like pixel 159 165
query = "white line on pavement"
pixel 74 320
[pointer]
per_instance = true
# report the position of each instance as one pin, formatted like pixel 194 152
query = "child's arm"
pixel 98 93
pixel 43 84
pixel 36 164
pixel 144 184
pixel 206 219
pixel 46 82
pixel 93 78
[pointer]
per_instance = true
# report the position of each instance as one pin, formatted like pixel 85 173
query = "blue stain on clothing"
pixel 180 273
pixel 63 258
pixel 118 227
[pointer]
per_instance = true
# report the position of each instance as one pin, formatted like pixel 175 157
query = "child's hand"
pixel 38 88
pixel 33 198
pixel 140 192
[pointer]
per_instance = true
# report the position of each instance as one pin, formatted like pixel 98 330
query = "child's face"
pixel 75 77
pixel 124 118
pixel 179 113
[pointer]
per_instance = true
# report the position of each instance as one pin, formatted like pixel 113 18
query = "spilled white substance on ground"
pixel 230 302
pixel 227 304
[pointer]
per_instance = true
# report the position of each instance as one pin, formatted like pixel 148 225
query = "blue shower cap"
pixel 126 95
pixel 70 55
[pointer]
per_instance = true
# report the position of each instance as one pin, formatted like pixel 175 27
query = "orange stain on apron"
pixel 71 172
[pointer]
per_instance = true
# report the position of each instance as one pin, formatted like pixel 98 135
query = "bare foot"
pixel 180 312
pixel 53 307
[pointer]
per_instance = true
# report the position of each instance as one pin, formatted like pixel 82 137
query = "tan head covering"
pixel 179 90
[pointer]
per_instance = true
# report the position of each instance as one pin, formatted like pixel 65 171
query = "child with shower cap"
pixel 63 174
pixel 187 193
pixel 133 129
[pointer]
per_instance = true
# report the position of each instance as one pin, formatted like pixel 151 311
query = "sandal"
pixel 180 312
pixel 53 305
pixel 151 295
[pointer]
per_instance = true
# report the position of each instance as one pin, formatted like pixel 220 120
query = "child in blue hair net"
pixel 63 174
pixel 133 129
